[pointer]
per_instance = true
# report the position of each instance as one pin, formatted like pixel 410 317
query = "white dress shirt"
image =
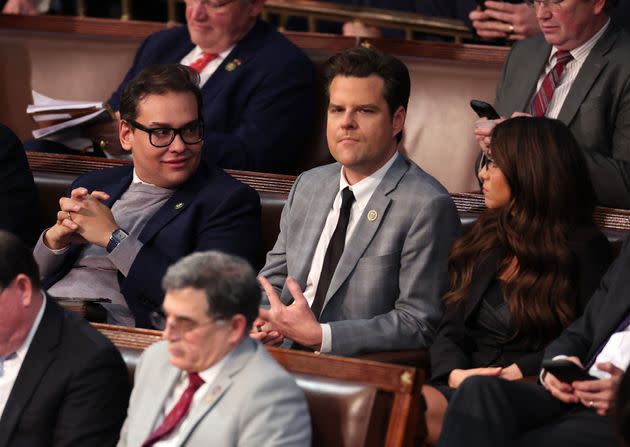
pixel 571 70
pixel 362 191
pixel 209 69
pixel 13 362
pixel 208 376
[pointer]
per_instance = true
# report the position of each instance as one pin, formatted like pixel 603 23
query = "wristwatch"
pixel 117 236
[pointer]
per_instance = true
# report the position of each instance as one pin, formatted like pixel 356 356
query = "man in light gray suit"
pixel 208 383
pixel 360 264
pixel 592 95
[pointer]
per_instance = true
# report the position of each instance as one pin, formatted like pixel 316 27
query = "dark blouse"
pixel 478 331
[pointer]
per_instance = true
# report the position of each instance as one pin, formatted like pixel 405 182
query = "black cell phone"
pixel 566 371
pixel 483 109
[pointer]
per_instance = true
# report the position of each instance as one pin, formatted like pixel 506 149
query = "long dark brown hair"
pixel 551 193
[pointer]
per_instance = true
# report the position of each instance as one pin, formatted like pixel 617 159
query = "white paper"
pixel 51 117
pixel 39 133
pixel 42 103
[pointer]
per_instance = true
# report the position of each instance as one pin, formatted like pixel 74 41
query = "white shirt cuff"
pixel 326 338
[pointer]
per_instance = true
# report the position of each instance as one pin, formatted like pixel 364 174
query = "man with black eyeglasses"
pixel 120 228
pixel 577 71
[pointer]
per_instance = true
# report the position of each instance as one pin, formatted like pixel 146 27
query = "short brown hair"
pixel 159 80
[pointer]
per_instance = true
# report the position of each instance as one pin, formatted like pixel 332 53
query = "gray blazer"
pixel 386 293
pixel 253 402
pixel 597 108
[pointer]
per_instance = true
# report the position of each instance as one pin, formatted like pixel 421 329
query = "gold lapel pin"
pixel 372 215
pixel 232 65
pixel 179 206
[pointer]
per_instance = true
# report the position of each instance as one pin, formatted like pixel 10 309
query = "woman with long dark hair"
pixel 526 268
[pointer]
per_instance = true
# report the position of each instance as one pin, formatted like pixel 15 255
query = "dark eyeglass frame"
pixel 159 321
pixel 209 5
pixel 176 131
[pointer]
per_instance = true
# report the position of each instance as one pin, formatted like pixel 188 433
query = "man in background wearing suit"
pixel 18 197
pixel 165 206
pixel 258 88
pixel 490 412
pixel 215 385
pixel 61 382
pixel 360 264
pixel 577 71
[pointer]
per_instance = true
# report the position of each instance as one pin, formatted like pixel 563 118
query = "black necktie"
pixel 333 252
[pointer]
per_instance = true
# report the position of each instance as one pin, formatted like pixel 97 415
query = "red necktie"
pixel 179 411
pixel 200 63
pixel 543 96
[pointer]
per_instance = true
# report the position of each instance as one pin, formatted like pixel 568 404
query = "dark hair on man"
pixel 551 196
pixel 159 80
pixel 16 258
pixel 361 62
pixel 229 283
pixel 610 6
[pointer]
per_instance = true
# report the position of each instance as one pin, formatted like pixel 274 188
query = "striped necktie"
pixel 539 104
pixel 178 413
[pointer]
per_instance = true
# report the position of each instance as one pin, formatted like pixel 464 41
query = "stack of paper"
pixel 54 115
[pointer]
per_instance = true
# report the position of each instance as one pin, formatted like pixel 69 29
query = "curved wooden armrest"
pixel 418 358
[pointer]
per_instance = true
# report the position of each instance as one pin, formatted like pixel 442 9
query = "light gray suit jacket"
pixel 253 402
pixel 597 108
pixel 386 293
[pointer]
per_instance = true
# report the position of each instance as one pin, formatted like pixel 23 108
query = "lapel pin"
pixel 233 65
pixel 372 215
pixel 179 206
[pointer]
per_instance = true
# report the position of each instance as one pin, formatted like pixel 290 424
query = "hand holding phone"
pixel 566 371
pixel 483 109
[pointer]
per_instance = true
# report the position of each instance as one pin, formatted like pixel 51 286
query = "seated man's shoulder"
pixel 96 178
pixel 169 36
pixel 277 44
pixel 422 185
pixel 220 185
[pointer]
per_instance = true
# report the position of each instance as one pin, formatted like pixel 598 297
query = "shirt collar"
pixel 580 53
pixel 23 349
pixel 364 189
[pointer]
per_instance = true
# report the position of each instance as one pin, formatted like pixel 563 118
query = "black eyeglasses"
pixel 164 136
pixel 179 326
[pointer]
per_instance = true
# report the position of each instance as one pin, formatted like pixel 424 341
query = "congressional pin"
pixel 372 215
pixel 232 65
pixel 179 206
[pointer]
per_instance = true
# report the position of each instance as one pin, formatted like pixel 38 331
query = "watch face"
pixel 117 235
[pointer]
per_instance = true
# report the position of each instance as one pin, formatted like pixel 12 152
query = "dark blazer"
pixel 72 388
pixel 19 207
pixel 218 213
pixel 597 108
pixel 455 348
pixel 607 308
pixel 259 113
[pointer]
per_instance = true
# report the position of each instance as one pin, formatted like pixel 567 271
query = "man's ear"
pixel 24 288
pixel 125 134
pixel 398 120
pixel 238 326
pixel 598 6
pixel 257 7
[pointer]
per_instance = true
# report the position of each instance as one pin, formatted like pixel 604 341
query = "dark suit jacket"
pixel 19 210
pixel 455 348
pixel 219 213
pixel 72 388
pixel 257 115
pixel 607 308
pixel 597 108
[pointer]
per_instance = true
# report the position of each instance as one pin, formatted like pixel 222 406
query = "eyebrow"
pixel 162 125
pixel 358 106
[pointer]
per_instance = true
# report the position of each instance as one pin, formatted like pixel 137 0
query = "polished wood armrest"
pixel 418 358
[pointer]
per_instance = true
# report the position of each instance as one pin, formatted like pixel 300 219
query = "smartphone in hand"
pixel 483 109
pixel 566 371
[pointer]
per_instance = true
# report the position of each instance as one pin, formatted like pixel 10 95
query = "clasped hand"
pixel 596 394
pixel 82 218
pixel 295 321
pixel 511 372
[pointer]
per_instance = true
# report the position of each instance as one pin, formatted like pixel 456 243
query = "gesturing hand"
pixel 295 321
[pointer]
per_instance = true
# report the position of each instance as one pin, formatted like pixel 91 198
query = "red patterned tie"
pixel 200 63
pixel 543 96
pixel 179 411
